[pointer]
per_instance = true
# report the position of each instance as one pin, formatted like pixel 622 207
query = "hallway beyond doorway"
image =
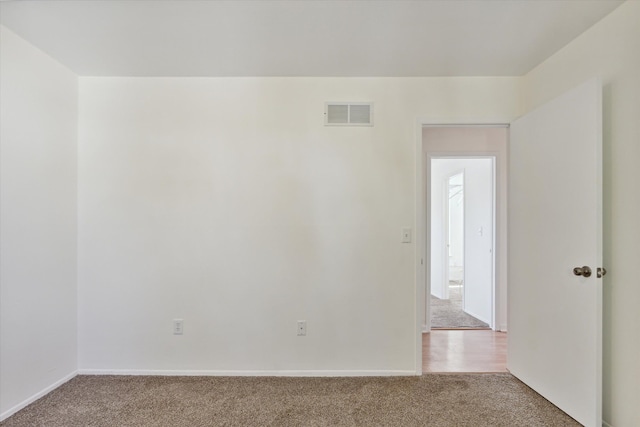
pixel 462 224
pixel 448 313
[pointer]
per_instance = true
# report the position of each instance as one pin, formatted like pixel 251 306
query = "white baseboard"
pixel 606 424
pixel 274 373
pixel 6 414
pixel 502 328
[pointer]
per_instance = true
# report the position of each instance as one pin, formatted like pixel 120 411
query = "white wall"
pixel 227 203
pixel 611 50
pixel 478 239
pixel 456 221
pixel 438 258
pixel 38 112
pixel 139 300
pixel 478 212
pixel 479 141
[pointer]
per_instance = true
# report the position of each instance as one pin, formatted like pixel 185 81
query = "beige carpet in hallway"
pixel 431 400
pixel 448 313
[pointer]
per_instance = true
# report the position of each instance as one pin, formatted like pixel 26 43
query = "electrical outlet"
pixel 178 326
pixel 302 328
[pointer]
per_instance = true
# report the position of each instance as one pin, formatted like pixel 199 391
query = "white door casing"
pixel 494 145
pixel 555 224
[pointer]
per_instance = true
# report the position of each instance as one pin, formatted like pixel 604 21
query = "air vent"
pixel 348 114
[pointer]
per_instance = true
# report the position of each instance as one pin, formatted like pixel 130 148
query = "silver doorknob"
pixel 582 271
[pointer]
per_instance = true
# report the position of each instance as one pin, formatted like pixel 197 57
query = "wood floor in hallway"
pixel 464 351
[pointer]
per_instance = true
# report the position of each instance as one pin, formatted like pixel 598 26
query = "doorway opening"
pixel 462 190
pixel 462 240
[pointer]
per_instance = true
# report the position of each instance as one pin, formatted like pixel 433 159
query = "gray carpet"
pixel 431 400
pixel 448 313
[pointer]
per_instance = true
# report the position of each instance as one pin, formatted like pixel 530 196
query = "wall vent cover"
pixel 348 114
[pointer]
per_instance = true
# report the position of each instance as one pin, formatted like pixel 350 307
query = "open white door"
pixel 555 224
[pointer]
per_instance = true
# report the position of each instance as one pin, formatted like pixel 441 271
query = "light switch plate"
pixel 406 235
pixel 302 328
pixel 178 326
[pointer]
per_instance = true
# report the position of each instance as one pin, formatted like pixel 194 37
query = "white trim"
pixel 495 292
pixel 445 226
pixel 496 284
pixel 6 414
pixel 423 322
pixel 606 424
pixel 493 122
pixel 493 156
pixel 466 125
pixel 248 373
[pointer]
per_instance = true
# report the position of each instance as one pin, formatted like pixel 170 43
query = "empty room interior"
pixel 309 213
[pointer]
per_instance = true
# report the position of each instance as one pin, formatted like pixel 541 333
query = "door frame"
pixel 423 231
pixel 437 155
pixel 446 227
